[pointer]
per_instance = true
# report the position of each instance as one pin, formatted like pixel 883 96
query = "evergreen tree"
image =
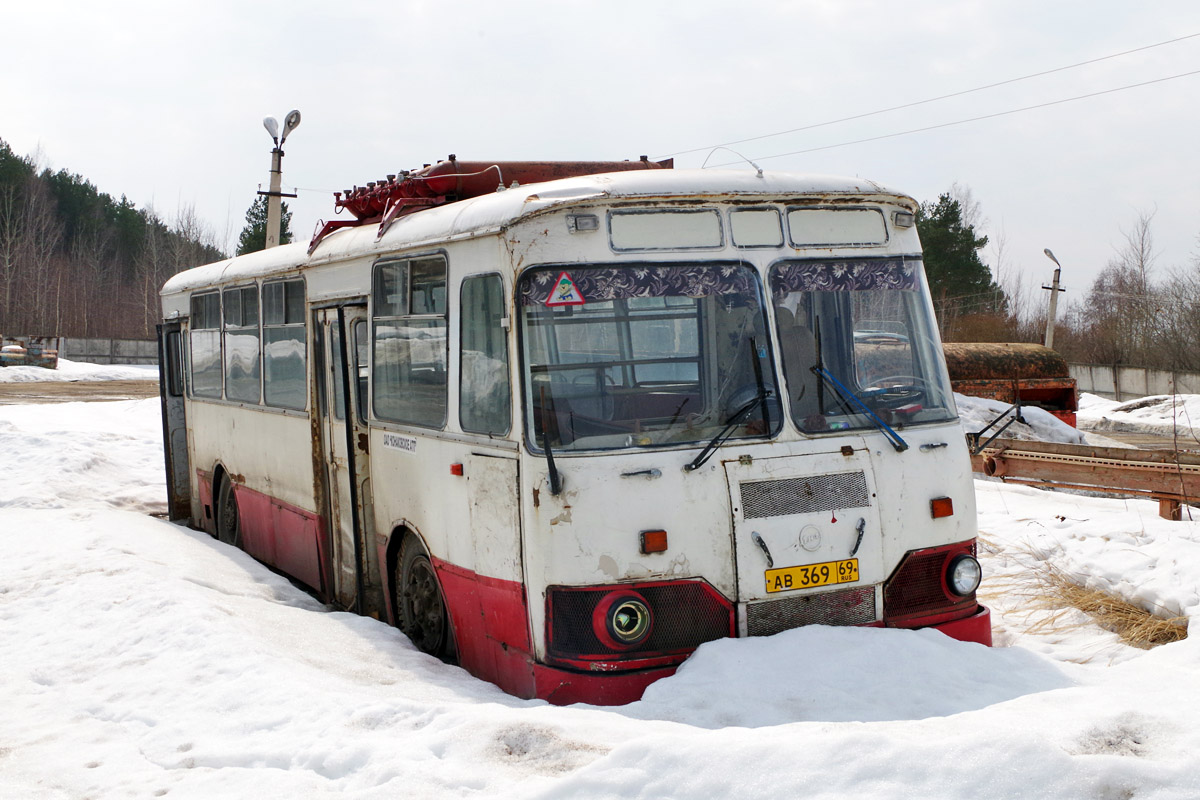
pixel 956 273
pixel 254 235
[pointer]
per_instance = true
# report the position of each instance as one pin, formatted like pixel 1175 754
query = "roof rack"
pixel 451 180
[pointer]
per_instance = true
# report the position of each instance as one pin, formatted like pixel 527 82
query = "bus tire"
pixel 420 606
pixel 229 528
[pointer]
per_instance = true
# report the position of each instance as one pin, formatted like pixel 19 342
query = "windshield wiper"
pixel 552 471
pixel 855 400
pixel 730 424
pixel 761 396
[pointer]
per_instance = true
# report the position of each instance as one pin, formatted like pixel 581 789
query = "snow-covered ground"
pixel 142 659
pixel 80 371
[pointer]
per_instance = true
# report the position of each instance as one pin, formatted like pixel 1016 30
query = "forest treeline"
pixel 74 261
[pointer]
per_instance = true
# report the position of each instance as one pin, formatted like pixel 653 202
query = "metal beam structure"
pixel 1170 477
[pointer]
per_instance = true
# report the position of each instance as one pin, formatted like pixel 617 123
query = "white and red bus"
pixel 564 430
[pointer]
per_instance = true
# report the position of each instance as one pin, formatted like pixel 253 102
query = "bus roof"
pixel 492 213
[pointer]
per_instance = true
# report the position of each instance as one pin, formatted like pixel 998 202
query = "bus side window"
pixel 174 365
pixel 285 376
pixel 204 339
pixel 485 393
pixel 410 347
pixel 362 360
pixel 358 368
pixel 241 344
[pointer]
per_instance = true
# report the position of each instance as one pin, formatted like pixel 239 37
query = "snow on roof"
pixel 493 212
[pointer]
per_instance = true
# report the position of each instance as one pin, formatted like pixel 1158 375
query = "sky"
pixel 163 102
pixel 144 659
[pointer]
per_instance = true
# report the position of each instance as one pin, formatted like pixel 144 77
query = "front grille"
pixel 804 495
pixel 686 615
pixel 918 586
pixel 844 607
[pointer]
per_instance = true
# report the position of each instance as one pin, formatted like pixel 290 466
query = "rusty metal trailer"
pixel 1012 372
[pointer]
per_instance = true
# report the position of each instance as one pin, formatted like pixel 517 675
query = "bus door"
pixel 343 358
pixel 175 445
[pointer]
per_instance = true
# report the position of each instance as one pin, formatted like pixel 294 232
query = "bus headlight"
pixel 622 620
pixel 964 575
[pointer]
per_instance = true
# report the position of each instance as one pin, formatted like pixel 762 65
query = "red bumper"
pixel 975 628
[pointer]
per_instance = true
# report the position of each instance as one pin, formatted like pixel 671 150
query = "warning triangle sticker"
pixel 564 293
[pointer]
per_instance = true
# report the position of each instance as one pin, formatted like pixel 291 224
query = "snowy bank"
pixel 1172 416
pixel 80 371
pixel 144 659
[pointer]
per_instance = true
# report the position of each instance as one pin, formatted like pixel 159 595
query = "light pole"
pixel 290 123
pixel 1054 290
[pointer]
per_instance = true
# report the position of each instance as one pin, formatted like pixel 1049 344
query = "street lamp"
pixel 1054 290
pixel 274 212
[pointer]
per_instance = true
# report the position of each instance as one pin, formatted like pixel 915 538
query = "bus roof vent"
pixel 395 196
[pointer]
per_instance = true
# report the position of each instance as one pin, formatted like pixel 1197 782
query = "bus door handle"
pixel 758 540
pixel 860 527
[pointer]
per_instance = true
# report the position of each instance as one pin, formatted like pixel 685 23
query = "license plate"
pixel 807 576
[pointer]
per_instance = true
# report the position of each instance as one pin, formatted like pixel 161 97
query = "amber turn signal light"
pixel 653 541
pixel 941 507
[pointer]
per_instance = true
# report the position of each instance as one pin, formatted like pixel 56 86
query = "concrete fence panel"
pixel 1128 383
pixel 109 351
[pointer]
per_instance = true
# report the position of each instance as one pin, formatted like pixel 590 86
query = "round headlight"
pixel 622 620
pixel 964 575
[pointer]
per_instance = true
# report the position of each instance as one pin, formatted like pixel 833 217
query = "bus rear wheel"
pixel 420 608
pixel 229 528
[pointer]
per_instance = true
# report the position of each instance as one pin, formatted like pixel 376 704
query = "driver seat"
pixel 798 346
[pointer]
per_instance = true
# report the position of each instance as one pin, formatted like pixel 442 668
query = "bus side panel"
pixel 491 627
pixel 282 535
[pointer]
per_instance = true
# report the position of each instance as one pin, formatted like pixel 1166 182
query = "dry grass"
pixel 1057 594
pixel 1135 625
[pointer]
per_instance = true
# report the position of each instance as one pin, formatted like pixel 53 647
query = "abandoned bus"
pixel 565 422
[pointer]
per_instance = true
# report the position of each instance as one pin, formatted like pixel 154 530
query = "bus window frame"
pixel 226 329
pixel 507 315
pixel 192 330
pixel 376 382
pixel 302 324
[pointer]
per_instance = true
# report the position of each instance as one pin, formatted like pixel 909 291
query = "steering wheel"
pixel 898 389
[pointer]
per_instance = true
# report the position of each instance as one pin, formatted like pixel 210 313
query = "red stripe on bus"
pixel 491 627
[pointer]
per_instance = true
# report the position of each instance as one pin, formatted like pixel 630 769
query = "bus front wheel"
pixel 421 610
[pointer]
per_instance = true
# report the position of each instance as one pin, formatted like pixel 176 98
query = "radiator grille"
pixel 918 585
pixel 686 616
pixel 844 607
pixel 804 495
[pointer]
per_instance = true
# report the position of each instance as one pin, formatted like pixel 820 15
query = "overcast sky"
pixel 163 102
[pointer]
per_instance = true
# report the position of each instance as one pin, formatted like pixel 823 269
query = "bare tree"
pixel 12 232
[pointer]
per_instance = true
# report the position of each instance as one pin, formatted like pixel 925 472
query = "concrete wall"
pixel 109 351
pixel 1128 383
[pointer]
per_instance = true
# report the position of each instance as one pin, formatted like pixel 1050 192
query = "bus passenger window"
pixel 485 396
pixel 174 365
pixel 205 341
pixel 241 344
pixel 285 376
pixel 410 346
pixel 362 360
pixel 358 369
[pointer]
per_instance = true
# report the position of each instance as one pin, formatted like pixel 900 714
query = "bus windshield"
pixel 645 355
pixel 867 324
